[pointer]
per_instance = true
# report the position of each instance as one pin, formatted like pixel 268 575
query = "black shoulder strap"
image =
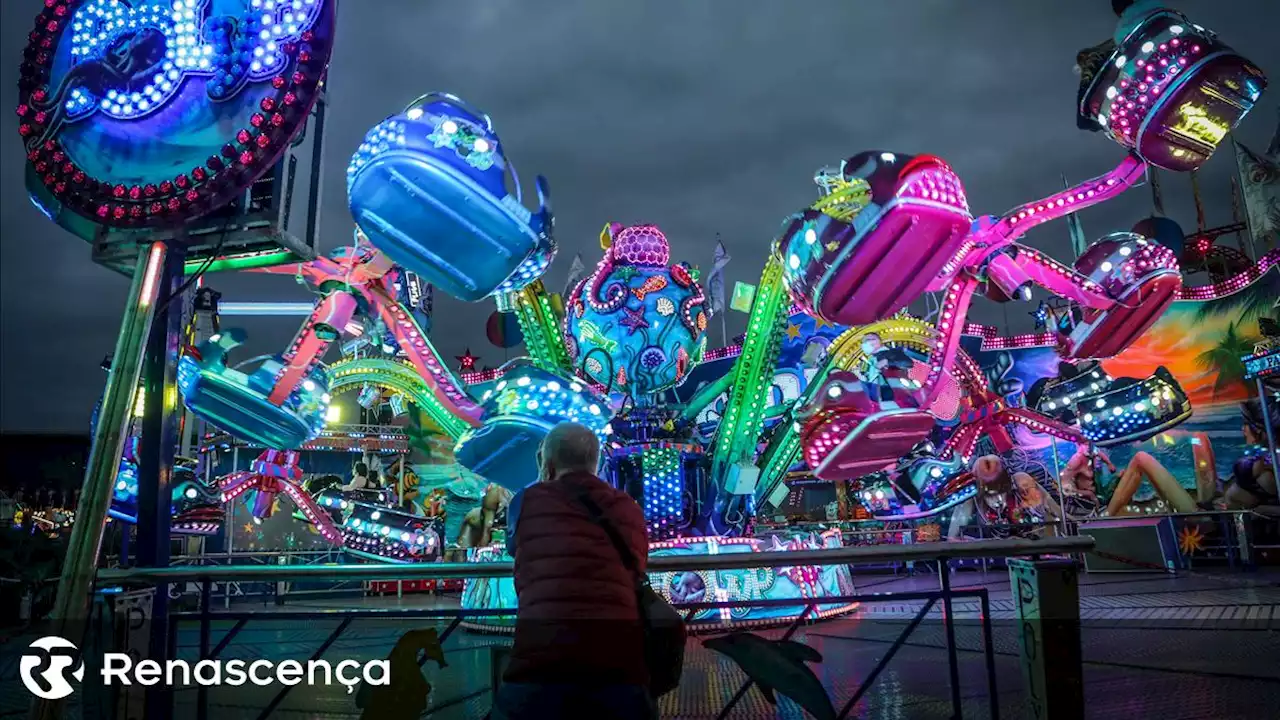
pixel 598 517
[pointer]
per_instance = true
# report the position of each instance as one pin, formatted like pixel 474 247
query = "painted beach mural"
pixel 1201 344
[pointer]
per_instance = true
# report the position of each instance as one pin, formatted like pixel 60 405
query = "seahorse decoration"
pixel 129 61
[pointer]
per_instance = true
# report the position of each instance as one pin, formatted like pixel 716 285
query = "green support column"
pixel 71 607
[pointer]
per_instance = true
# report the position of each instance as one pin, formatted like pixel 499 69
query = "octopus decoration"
pixel 114 96
pixel 638 323
pixel 428 187
pixel 274 473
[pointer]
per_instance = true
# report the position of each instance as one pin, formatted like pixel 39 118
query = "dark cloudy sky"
pixel 703 116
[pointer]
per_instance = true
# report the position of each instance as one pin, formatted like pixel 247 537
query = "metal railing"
pixel 940 552
pixel 669 563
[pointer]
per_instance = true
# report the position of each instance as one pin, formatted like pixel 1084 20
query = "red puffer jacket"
pixel 577 619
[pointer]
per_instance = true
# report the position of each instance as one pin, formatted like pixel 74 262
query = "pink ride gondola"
pixel 848 431
pixel 1140 276
pixel 884 228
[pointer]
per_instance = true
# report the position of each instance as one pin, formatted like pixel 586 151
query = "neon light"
pixel 153 271
pixel 108 33
pixel 1233 284
pixel 247 261
pixel 265 309
pixel 1196 123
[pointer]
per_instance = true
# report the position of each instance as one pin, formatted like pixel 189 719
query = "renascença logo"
pixel 48 662
pixel 45 670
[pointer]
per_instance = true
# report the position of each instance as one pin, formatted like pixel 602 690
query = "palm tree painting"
pixel 1224 358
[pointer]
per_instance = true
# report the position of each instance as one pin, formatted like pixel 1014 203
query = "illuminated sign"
pixel 414 286
pixel 1196 123
pixel 1259 366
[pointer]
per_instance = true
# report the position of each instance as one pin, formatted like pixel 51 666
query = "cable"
pixel 213 254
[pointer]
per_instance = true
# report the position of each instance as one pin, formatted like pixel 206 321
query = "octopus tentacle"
pixel 615 295
pixel 686 306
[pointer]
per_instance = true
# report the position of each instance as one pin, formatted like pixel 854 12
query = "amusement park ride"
pixel 428 191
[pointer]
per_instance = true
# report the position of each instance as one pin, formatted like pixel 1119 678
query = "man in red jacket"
pixel 579 641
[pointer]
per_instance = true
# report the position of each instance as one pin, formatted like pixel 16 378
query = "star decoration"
pixel 819 323
pixel 467 361
pixel 633 320
pixel 793 331
pixel 248 528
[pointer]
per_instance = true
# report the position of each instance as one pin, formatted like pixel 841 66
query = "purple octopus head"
pixel 643 245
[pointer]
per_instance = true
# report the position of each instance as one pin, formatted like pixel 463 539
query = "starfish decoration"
pixel 1190 539
pixel 633 320
pixel 467 361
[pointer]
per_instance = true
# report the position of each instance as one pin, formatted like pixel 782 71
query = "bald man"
pixel 579 641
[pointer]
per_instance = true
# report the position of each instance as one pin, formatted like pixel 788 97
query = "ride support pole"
pixel 157 443
pixel 71 606
pixel 1266 422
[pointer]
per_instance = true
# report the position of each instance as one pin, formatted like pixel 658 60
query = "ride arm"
pixel 951 321
pixel 706 395
pixel 1029 265
pixel 447 388
pixel 325 325
pixel 1046 425
pixel 739 431
pixel 1018 221
pixel 541 328
pixel 991 235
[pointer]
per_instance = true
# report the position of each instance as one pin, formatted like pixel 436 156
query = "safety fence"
pixel 208 632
